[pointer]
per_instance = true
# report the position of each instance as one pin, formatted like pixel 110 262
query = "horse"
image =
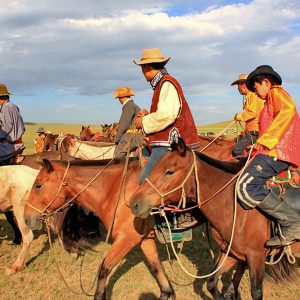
pixel 87 135
pixel 50 142
pixel 16 183
pixel 176 175
pixel 113 130
pixel 220 148
pixel 96 186
pixel 85 150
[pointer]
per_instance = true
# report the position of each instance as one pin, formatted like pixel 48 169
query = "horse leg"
pixel 212 282
pixel 117 252
pixel 11 220
pixel 232 291
pixel 27 237
pixel 149 249
pixel 256 272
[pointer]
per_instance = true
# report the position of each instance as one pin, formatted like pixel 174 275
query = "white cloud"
pixel 86 47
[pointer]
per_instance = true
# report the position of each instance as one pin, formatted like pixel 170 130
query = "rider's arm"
pixel 168 109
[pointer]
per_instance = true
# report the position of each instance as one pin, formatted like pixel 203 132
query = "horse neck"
pixel 101 197
pixel 220 207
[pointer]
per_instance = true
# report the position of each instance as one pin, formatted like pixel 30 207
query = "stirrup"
pixel 281 241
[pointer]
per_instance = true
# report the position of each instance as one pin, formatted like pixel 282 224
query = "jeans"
pixel 157 153
pixel 252 187
pixel 242 142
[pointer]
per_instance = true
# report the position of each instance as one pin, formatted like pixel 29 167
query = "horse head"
pixel 86 133
pixel 50 142
pixel 170 177
pixel 113 130
pixel 45 195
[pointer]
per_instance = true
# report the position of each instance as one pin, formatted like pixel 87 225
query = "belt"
pixel 133 130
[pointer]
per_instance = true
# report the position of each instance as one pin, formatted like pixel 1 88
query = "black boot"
pixel 286 215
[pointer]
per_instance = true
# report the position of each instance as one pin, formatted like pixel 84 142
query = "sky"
pixel 62 59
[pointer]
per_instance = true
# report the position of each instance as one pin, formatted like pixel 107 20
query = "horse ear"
pixel 56 135
pixel 82 127
pixel 179 146
pixel 89 126
pixel 46 163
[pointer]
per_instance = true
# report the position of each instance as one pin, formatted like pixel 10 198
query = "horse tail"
pixel 283 271
pixel 78 229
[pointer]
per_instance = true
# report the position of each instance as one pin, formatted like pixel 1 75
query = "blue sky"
pixel 62 60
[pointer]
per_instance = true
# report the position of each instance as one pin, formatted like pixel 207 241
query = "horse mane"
pixel 78 229
pixel 102 162
pixel 227 166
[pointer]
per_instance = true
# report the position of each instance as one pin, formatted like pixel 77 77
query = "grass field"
pixel 131 280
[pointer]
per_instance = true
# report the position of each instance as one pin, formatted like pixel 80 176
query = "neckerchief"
pixel 160 74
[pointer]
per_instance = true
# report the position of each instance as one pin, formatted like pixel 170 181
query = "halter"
pixel 45 212
pixel 181 186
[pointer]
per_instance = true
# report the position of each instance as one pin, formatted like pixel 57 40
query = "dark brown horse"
pixel 58 182
pixel 251 227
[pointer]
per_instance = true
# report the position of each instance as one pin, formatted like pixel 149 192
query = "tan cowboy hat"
pixel 123 91
pixel 242 79
pixel 152 55
pixel 3 90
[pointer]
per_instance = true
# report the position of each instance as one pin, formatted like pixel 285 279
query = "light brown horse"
pixel 220 149
pixel 58 182
pixel 86 134
pixel 251 228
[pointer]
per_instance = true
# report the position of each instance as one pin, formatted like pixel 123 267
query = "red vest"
pixel 288 147
pixel 183 126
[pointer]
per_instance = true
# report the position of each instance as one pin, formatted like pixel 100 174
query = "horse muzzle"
pixel 33 222
pixel 139 209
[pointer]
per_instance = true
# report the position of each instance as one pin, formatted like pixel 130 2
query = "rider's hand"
pixel 138 122
pixel 238 117
pixel 142 113
pixel 259 147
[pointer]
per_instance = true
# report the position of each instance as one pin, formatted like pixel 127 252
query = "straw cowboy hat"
pixel 242 79
pixel 3 90
pixel 123 91
pixel 152 55
pixel 262 70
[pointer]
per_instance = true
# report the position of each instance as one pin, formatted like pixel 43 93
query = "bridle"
pixel 45 212
pixel 182 201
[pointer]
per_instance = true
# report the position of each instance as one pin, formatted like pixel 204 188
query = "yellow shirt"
pixel 252 108
pixel 284 111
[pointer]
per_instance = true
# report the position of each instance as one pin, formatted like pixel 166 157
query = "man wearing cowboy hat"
pixel 39 143
pixel 12 126
pixel 127 134
pixel 279 146
pixel 252 108
pixel 170 116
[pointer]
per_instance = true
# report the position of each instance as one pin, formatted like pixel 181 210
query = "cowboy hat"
pixel 262 70
pixel 242 79
pixel 40 130
pixel 150 56
pixel 123 91
pixel 3 90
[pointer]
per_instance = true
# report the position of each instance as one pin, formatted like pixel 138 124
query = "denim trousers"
pixel 156 155
pixel 252 185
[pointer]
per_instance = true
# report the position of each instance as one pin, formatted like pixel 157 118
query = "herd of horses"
pixel 109 188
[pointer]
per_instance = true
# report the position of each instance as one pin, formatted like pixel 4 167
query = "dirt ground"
pixel 130 280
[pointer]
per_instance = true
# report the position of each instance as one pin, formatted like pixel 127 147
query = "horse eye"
pixel 169 173
pixel 38 185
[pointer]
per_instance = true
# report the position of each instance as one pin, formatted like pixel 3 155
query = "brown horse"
pixel 180 166
pixel 220 149
pixel 87 135
pixel 58 181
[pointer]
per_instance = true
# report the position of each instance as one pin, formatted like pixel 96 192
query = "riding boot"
pixel 286 215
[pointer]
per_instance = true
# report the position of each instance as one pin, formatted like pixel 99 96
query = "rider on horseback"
pixel 279 146
pixel 11 127
pixel 250 115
